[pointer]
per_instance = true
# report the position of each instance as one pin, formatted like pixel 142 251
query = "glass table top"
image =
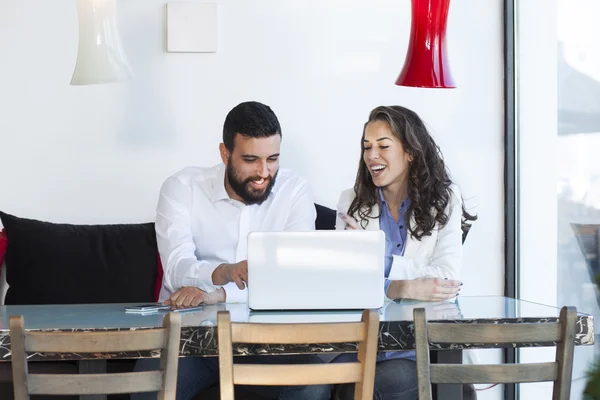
pixel 83 316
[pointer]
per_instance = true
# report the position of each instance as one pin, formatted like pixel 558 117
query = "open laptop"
pixel 316 270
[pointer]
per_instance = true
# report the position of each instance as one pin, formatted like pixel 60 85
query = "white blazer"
pixel 438 255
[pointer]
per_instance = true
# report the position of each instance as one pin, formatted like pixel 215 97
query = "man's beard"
pixel 244 189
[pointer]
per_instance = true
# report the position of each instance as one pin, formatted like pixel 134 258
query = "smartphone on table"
pixel 145 308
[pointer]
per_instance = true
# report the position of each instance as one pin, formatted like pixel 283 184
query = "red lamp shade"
pixel 426 63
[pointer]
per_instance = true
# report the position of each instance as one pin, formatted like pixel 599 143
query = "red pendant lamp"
pixel 426 63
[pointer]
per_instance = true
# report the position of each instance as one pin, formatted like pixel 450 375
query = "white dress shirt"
pixel 199 227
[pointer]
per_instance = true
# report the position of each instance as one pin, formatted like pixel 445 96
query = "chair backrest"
pixel 559 371
pixel 163 381
pixel 588 238
pixel 362 373
pixel 465 231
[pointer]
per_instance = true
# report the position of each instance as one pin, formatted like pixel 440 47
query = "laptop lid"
pixel 316 270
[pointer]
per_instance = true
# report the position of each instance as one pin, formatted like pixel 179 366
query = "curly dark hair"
pixel 429 183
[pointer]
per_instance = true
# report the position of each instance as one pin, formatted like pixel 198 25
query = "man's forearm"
pixel 399 290
pixel 218 275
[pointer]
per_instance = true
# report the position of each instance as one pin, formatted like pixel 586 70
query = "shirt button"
pixel 398 245
pixel 401 226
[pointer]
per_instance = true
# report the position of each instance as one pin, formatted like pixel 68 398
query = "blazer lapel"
pixel 373 224
pixel 412 244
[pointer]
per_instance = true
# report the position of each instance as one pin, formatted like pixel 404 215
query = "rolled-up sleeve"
pixel 175 240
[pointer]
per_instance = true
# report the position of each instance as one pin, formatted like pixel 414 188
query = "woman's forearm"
pixel 399 290
pixel 426 288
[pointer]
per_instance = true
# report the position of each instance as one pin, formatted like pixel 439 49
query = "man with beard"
pixel 203 219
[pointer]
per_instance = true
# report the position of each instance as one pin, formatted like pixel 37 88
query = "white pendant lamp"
pixel 100 58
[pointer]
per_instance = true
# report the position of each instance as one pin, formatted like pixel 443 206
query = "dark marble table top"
pixel 199 334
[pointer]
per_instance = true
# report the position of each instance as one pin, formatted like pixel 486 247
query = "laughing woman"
pixel 403 188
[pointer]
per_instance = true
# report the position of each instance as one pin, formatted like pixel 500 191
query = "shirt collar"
pixel 380 191
pixel 403 205
pixel 217 186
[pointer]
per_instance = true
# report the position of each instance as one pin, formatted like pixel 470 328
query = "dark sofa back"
pixel 49 263
pixel 325 218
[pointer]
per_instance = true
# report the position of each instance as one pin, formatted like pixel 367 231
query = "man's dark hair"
pixel 250 119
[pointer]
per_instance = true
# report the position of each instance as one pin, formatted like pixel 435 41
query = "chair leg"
pixel 469 392
pixel 92 367
pixel 447 391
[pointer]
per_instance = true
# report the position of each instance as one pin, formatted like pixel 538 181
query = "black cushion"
pixel 325 218
pixel 50 263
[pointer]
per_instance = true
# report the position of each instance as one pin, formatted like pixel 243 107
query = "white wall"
pixel 98 154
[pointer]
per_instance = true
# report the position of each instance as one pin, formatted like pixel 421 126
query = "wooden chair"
pixel 558 371
pixel 362 373
pixel 163 381
pixel 588 238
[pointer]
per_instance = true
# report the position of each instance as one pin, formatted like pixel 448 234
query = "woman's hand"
pixel 351 223
pixel 426 288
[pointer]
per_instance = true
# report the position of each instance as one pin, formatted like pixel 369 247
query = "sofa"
pixel 52 263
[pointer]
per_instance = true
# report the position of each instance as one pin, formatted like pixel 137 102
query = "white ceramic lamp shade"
pixel 100 58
